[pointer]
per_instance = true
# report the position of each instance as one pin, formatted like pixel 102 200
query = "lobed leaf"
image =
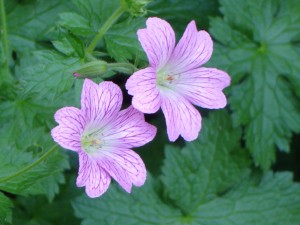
pixel 257 48
pixel 47 74
pixel 206 167
pixel 44 178
pixel 207 183
pixel 273 200
pixel 122 42
pixel 76 23
pixel 38 209
pixel 29 23
pixel 96 12
pixel 179 15
pixel 5 209
pixel 143 206
pixel 70 45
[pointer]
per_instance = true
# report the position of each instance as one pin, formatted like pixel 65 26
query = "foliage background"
pixel 243 169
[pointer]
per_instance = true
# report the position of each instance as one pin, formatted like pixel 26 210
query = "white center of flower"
pixel 91 142
pixel 164 78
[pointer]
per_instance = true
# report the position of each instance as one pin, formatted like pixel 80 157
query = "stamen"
pixel 164 78
pixel 170 78
pixel 91 142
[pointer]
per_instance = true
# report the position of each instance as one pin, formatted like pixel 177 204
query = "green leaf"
pixel 257 48
pixel 24 136
pixel 179 14
pixel 44 178
pixel 23 122
pixel 47 74
pixel 5 209
pixel 96 12
pixel 122 42
pixel 295 79
pixel 207 182
pixel 76 23
pixel 273 112
pixel 143 206
pixel 207 166
pixel 39 210
pixel 70 45
pixel 29 22
pixel 273 200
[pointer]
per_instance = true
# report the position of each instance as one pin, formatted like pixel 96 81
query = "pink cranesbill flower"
pixel 174 80
pixel 103 136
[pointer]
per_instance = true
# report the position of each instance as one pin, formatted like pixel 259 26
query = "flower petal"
pixel 92 176
pixel 203 87
pixel 99 103
pixel 158 41
pixel 142 85
pixel 125 166
pixel 71 125
pixel 193 50
pixel 181 117
pixel 129 130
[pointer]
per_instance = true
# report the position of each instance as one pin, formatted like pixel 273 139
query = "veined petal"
pixel 158 41
pixel 181 117
pixel 125 166
pixel 142 85
pixel 71 125
pixel 193 50
pixel 129 130
pixel 92 176
pixel 99 103
pixel 203 87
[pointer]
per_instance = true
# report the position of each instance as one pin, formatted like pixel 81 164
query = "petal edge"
pixel 158 41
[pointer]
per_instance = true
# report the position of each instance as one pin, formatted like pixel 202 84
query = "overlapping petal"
pixel 193 50
pixel 99 103
pixel 158 41
pixel 125 166
pixel 142 85
pixel 71 125
pixel 129 130
pixel 181 117
pixel 203 87
pixel 91 175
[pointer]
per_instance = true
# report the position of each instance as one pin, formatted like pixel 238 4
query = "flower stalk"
pixel 104 28
pixel 4 41
pixel 32 165
pixel 126 68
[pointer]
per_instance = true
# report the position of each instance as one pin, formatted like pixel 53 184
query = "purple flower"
pixel 174 80
pixel 102 135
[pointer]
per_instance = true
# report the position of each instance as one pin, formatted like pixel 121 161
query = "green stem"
pixel 89 57
pixel 126 68
pixel 104 28
pixel 29 167
pixel 4 38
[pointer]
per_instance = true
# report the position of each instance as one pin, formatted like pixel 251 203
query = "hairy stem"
pixel 104 28
pixel 4 40
pixel 29 167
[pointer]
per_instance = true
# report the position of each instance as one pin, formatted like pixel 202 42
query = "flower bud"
pixel 91 69
pixel 135 7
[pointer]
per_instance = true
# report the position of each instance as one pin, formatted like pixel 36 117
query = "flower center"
pixel 164 78
pixel 90 142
